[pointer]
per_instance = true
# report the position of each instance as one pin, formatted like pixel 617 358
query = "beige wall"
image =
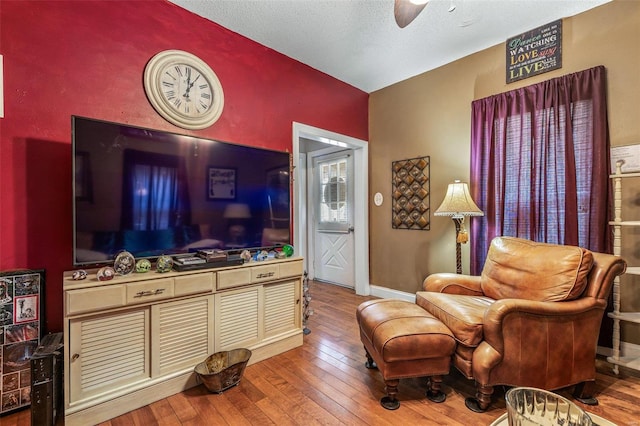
pixel 429 115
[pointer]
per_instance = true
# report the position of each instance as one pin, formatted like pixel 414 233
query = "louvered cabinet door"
pixel 237 316
pixel 281 307
pixel 181 334
pixel 107 353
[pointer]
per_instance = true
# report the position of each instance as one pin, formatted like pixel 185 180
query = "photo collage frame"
pixel 21 312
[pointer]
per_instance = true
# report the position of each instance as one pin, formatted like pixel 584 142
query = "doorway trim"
pixel 360 203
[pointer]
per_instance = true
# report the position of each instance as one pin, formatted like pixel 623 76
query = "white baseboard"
pixel 627 349
pixel 630 349
pixel 389 293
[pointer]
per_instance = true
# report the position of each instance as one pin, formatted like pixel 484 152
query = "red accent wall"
pixel 87 58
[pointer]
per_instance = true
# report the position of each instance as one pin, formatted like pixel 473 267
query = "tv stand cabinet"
pixel 136 339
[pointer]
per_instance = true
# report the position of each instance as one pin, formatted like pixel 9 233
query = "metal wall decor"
pixel 410 194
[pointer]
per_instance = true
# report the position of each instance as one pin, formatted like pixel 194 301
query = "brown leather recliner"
pixel 532 318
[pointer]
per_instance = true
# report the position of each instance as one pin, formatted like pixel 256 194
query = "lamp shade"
pixel 458 202
pixel 237 211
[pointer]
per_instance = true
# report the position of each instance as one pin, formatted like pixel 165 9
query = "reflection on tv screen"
pixel 153 193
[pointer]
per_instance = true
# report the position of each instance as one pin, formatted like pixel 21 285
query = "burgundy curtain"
pixel 540 164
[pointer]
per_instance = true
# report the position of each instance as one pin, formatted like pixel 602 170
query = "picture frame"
pixel 25 308
pixel 221 183
pixel 1 88
pixel 21 319
pixel 630 157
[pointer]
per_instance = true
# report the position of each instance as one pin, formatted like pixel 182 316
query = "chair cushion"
pixel 463 315
pixel 521 269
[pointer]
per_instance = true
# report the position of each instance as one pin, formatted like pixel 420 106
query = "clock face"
pixel 183 89
pixel 186 90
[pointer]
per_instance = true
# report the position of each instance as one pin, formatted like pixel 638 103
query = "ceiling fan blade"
pixel 405 12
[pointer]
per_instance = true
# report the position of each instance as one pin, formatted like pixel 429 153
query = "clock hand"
pixel 189 85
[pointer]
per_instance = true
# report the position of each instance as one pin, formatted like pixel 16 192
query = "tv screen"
pixel 152 193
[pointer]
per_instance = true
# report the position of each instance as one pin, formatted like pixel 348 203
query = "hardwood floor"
pixel 324 382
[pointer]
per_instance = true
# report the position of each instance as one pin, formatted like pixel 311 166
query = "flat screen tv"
pixel 151 193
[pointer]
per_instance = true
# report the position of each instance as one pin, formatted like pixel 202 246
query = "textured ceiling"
pixel 359 42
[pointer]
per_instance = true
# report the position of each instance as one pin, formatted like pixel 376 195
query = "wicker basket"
pixel 223 370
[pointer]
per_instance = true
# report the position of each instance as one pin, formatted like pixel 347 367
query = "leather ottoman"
pixel 403 340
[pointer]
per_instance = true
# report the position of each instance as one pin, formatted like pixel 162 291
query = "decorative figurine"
pixel 164 263
pixel 124 263
pixel 78 275
pixel 245 255
pixel 261 255
pixel 143 265
pixel 288 250
pixel 106 273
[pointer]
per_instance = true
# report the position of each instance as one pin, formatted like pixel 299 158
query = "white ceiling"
pixel 359 42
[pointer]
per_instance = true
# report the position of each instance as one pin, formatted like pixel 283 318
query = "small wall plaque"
pixel 630 154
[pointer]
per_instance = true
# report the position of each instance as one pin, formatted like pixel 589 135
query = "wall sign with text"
pixel 534 52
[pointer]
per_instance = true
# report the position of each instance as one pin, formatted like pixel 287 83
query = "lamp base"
pixel 458 221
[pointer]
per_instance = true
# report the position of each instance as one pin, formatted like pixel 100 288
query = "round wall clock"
pixel 183 89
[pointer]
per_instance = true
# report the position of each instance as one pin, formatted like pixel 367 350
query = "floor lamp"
pixel 458 204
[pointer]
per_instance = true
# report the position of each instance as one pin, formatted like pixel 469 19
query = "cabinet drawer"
pixel 264 273
pixel 142 292
pixel 193 284
pixel 95 299
pixel 233 278
pixel 291 269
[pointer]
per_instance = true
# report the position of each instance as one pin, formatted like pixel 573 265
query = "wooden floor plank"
pixel 343 396
pixel 325 382
pixel 206 406
pixel 182 407
pixel 313 401
pixel 164 413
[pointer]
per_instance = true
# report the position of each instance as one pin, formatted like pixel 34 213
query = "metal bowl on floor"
pixel 531 406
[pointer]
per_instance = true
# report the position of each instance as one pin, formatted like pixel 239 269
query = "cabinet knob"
pixel 75 356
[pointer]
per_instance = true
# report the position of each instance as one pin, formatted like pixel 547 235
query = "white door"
pixel 307 141
pixel 333 218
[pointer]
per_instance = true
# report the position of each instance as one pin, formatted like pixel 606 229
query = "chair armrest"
pixel 519 319
pixel 445 282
